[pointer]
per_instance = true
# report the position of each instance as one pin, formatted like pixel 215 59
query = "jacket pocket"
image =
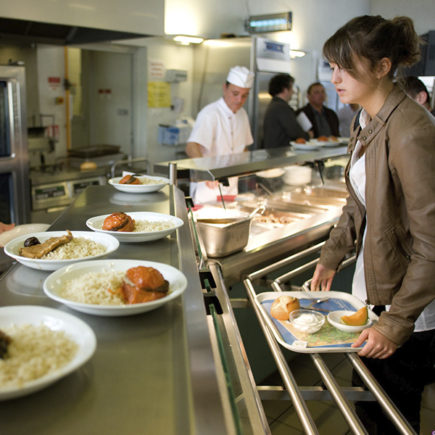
pixel 397 238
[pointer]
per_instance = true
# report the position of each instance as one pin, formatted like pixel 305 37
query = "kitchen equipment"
pixel 222 239
pixel 296 175
pixel 14 185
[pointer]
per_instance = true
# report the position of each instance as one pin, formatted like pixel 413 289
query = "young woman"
pixel 390 213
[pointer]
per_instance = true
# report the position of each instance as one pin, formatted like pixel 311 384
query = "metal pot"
pixel 222 237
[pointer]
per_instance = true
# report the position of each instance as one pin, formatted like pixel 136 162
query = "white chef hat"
pixel 241 76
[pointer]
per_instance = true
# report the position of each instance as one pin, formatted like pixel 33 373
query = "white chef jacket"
pixel 221 132
pixel 357 176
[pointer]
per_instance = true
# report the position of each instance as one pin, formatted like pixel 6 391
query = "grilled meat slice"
pixel 4 343
pixel 129 179
pixel 38 251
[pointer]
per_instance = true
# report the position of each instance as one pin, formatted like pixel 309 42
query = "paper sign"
pixel 159 94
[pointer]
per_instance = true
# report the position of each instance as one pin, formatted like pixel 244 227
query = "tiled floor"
pixel 282 416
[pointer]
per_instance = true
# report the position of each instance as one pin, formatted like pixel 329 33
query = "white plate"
pixel 334 318
pixel 96 223
pixel 308 146
pixel 54 282
pixel 139 188
pixel 13 247
pixel 56 320
pixel 19 230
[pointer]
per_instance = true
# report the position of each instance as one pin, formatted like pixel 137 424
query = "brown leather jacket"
pixel 399 253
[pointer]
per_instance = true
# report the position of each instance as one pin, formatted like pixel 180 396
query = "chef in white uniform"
pixel 222 128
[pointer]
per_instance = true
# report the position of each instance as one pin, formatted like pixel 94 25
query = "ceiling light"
pixel 297 53
pixel 269 23
pixel 186 40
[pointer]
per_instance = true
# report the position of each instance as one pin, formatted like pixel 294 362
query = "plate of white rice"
pixel 149 183
pixel 46 345
pixel 90 286
pixel 149 226
pixel 85 245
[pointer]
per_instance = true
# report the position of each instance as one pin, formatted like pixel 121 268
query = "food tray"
pixel 328 339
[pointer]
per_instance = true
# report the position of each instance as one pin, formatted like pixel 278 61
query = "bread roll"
pixel 283 306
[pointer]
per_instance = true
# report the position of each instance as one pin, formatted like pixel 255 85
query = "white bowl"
pixel 54 283
pixel 96 223
pixel 57 320
pixel 13 248
pixel 297 175
pixel 334 318
pixel 313 320
pixel 140 188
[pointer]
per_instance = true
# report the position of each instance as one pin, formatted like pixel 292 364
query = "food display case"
pixel 301 193
pixel 183 368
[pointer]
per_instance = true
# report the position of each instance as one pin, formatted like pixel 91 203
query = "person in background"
pixel 324 120
pixel 345 117
pixel 222 128
pixel 389 216
pixel 416 89
pixel 280 125
pixel 6 227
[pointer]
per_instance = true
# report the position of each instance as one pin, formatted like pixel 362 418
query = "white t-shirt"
pixel 220 131
pixel 357 176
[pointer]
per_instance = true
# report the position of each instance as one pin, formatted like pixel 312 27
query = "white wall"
pixel 421 11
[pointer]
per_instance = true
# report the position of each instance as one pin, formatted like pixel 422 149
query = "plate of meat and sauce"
pixel 115 287
pixel 132 183
pixel 135 227
pixel 51 250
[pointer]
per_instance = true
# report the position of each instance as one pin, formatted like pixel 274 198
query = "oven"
pixel 53 193
pixel 14 180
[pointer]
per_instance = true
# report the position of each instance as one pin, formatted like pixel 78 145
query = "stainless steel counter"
pixel 152 373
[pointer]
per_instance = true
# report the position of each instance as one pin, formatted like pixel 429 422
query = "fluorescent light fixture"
pixel 269 23
pixel 186 40
pixel 297 53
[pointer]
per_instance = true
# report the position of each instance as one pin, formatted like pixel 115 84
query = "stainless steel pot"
pixel 222 237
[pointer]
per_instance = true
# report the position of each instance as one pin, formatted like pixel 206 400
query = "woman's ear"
pixel 383 67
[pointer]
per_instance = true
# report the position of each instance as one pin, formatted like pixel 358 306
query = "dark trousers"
pixel 403 376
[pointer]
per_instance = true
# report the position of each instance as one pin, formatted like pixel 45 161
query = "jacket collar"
pixel 367 134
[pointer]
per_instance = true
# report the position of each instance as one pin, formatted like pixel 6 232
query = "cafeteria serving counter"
pixel 152 373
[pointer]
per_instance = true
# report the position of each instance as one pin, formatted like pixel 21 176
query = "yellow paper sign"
pixel 159 94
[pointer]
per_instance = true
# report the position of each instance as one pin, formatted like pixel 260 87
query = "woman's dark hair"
pixel 374 38
pixel 280 82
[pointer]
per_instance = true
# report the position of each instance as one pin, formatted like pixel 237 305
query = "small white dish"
pixel 308 321
pixel 13 248
pixel 140 188
pixel 54 283
pixel 56 320
pixel 96 224
pixel 334 318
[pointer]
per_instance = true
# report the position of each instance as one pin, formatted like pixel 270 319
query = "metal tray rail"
pixel 298 395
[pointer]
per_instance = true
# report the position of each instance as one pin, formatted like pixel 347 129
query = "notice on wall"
pixel 159 94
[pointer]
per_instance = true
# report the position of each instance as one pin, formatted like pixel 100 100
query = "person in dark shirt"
pixel 280 125
pixel 324 120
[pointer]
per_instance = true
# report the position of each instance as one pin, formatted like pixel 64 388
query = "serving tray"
pixel 328 339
